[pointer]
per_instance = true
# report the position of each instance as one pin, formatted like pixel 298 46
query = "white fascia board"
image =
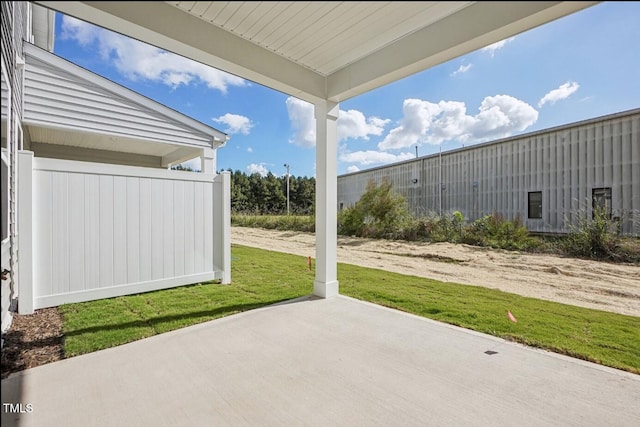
pixel 471 28
pixel 169 28
pixel 119 136
pixel 121 91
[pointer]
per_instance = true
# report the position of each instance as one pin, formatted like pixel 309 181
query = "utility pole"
pixel 440 189
pixel 286 165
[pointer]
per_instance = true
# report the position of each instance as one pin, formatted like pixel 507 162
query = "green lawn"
pixel 263 277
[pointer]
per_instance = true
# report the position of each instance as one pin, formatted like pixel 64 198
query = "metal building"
pixel 548 178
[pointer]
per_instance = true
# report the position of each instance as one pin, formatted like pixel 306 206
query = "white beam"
pixel 208 160
pixel 222 225
pixel 326 281
pixel 472 28
pixel 169 28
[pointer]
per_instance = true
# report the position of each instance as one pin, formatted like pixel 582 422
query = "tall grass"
pixel 305 223
pixel 598 236
pixel 381 213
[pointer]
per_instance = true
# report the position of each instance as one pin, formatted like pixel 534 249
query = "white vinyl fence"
pixel 90 230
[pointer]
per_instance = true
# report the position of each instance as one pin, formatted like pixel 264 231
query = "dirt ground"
pixel 592 284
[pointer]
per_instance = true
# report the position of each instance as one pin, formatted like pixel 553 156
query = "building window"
pixel 601 201
pixel 535 205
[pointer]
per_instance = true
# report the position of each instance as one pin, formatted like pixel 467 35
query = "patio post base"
pixel 325 289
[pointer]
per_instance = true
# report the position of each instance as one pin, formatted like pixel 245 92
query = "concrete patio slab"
pixel 322 362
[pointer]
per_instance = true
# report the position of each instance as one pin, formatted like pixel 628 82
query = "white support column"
pixel 25 233
pixel 208 161
pixel 222 225
pixel 326 282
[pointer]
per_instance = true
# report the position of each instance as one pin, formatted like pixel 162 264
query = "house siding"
pixel 15 16
pixel 58 98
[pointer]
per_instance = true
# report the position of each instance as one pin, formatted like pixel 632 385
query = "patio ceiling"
pixel 319 50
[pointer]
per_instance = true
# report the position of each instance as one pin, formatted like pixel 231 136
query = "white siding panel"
pixel 168 232
pixel 58 97
pixel 179 227
pixel 99 234
pixel 42 228
pixel 107 246
pixel 92 231
pixel 208 227
pixel 133 230
pixel 59 233
pixel 76 233
pixel 198 236
pixel 120 255
pixel 189 228
pixel 157 230
pixel 145 230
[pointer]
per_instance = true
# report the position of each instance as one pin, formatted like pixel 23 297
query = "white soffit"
pixel 320 50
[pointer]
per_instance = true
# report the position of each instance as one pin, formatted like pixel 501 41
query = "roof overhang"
pixel 320 50
pixel 70 108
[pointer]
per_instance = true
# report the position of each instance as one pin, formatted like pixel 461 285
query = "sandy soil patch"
pixel 592 284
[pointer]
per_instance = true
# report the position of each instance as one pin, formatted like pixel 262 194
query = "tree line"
pixel 267 195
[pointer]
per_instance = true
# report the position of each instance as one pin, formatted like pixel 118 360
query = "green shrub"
pixel 497 232
pixel 594 237
pixel 380 213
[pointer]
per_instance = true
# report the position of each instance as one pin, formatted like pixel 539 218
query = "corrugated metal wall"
pixel 565 164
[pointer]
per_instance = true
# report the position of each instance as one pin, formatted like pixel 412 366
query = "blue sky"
pixel 579 67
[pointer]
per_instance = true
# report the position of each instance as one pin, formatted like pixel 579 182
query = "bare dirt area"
pixel 586 283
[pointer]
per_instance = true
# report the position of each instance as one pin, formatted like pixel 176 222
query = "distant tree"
pixel 275 200
pixel 303 197
pixel 257 194
pixel 239 192
pixel 182 168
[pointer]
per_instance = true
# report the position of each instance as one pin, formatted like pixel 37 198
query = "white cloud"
pixel 139 61
pixel 351 124
pixel 372 157
pixel 302 121
pixel 249 150
pixel 352 169
pixel 564 91
pixel 257 168
pixel 426 122
pixel 235 123
pixel 462 69
pixel 492 48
